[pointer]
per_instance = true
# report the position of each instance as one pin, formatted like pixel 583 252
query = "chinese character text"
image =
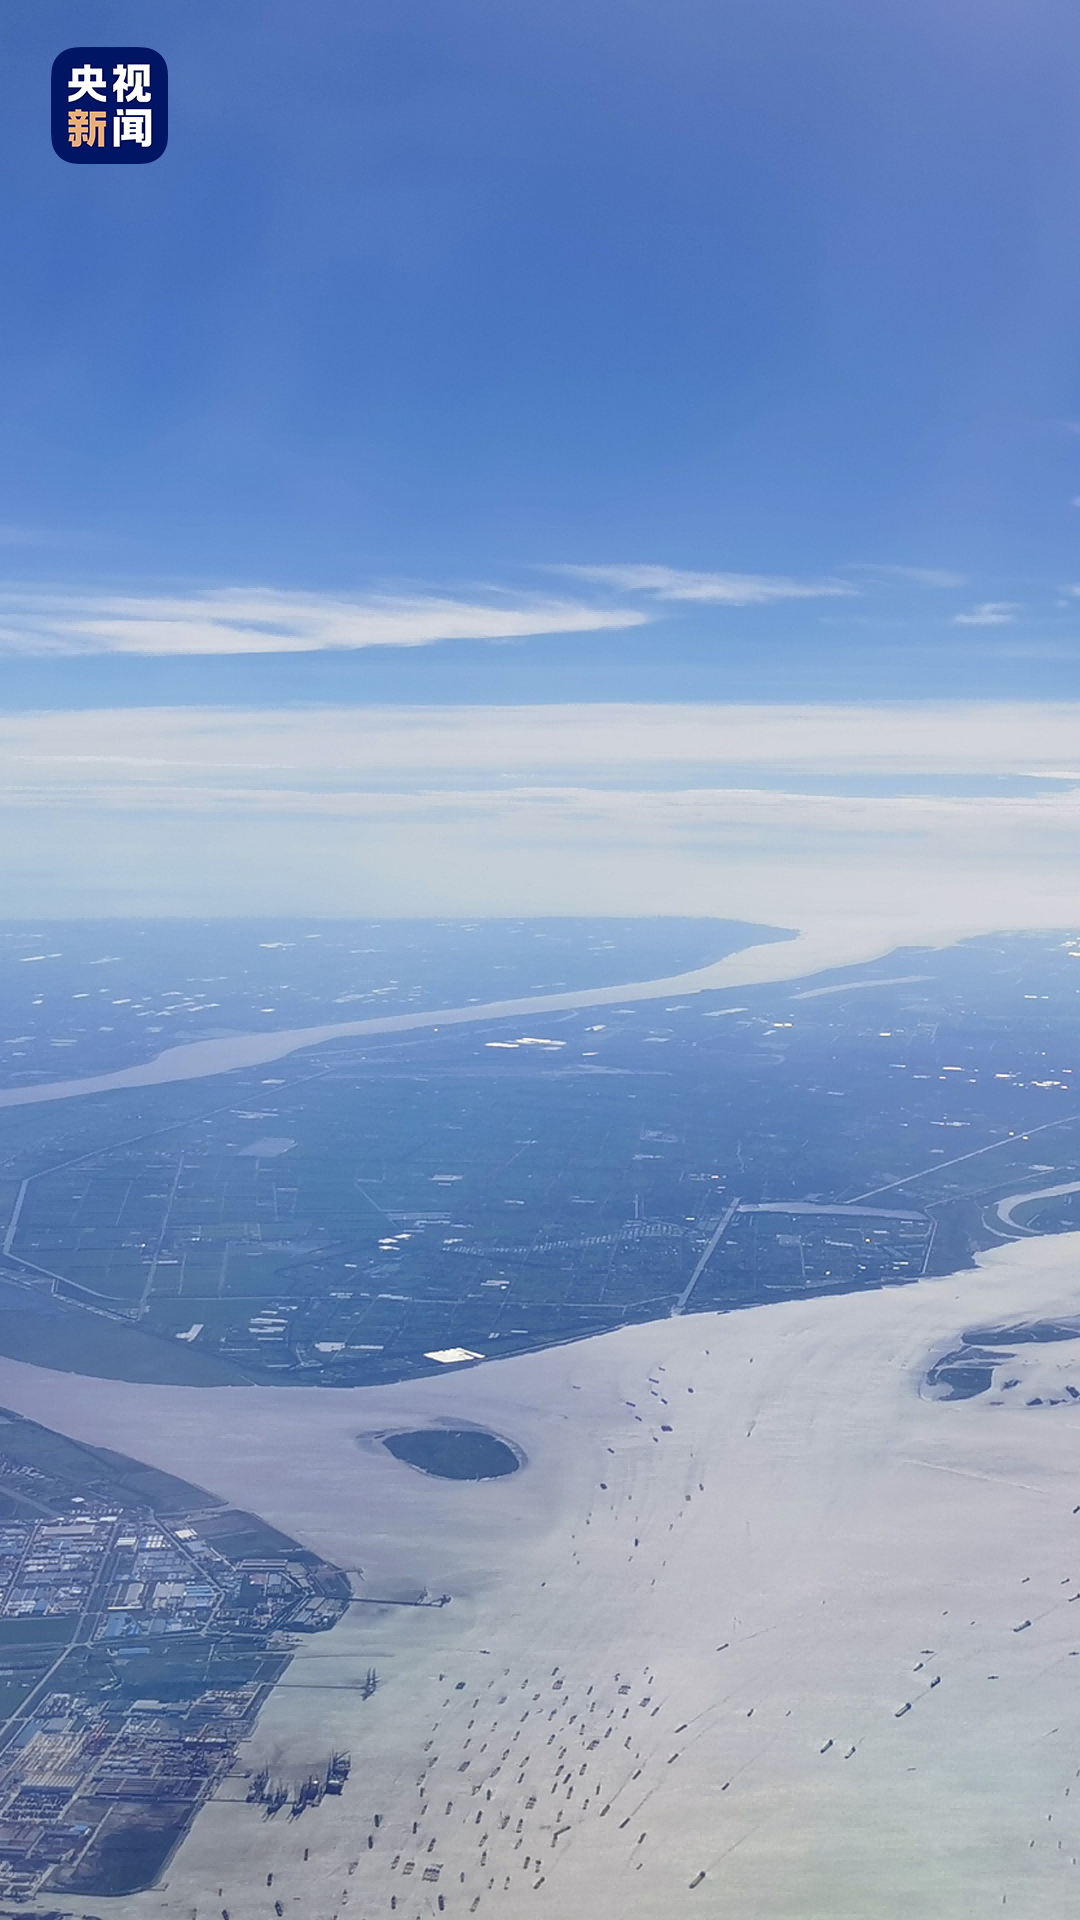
pixel 131 83
pixel 86 129
pixel 86 81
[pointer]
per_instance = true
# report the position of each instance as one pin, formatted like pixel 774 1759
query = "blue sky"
pixel 475 353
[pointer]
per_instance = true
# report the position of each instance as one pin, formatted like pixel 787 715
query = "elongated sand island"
pixel 759 1628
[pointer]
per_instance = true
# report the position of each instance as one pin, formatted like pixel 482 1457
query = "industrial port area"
pixel 138 1644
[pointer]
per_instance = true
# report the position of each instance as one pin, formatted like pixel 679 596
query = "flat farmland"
pixel 369 1207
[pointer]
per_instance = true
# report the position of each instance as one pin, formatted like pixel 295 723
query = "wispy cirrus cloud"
pixel 990 613
pixel 262 620
pixel 35 620
pixel 711 589
pixel 888 572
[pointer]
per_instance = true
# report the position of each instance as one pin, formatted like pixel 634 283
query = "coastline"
pixel 847 1606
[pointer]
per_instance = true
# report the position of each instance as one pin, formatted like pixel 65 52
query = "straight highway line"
pixel 159 1249
pixel 680 1304
pixel 1010 1139
pixel 13 1223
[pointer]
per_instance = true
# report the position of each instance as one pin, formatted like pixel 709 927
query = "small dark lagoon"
pixel 454 1453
